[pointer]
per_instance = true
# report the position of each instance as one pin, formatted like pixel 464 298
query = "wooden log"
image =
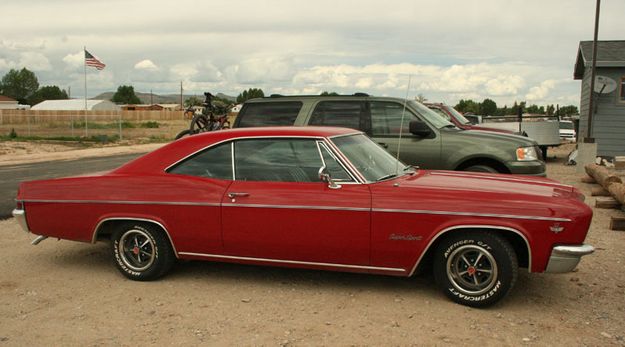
pixel 599 191
pixel 588 179
pixel 617 190
pixel 606 202
pixel 617 223
pixel 601 175
pixel 619 162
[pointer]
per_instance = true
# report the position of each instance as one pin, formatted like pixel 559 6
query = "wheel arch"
pixel 106 226
pixel 517 240
pixel 494 163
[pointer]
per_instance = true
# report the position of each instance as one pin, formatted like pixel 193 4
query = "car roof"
pixel 159 159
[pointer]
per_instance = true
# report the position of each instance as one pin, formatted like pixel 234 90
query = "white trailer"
pixel 545 130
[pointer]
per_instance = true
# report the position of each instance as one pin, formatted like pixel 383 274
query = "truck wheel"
pixel 142 252
pixel 481 168
pixel 475 269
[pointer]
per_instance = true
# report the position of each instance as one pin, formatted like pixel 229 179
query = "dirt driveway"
pixel 67 293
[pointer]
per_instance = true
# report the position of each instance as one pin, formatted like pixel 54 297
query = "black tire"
pixel 481 168
pixel 199 123
pixel 142 252
pixel 183 134
pixel 475 269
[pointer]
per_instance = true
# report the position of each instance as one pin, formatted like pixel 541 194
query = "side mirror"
pixel 419 128
pixel 324 176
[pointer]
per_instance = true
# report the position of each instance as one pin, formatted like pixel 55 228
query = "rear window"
pixel 268 114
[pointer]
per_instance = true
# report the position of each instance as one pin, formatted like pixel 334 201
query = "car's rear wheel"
pixel 142 252
pixel 475 269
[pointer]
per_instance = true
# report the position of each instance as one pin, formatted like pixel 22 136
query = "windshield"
pixel 370 160
pixel 566 125
pixel 429 115
pixel 458 115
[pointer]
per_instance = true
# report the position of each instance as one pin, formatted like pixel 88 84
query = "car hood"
pixel 477 135
pixel 472 184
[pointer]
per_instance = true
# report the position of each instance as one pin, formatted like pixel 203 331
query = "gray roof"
pixel 609 54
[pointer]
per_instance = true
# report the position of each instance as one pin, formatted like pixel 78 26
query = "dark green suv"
pixel 426 140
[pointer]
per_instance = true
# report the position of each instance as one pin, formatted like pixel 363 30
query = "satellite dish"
pixel 604 85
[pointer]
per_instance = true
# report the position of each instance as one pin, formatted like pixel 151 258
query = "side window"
pixel 348 114
pixel 268 114
pixel 622 94
pixel 281 160
pixel 386 118
pixel 214 162
pixel 336 171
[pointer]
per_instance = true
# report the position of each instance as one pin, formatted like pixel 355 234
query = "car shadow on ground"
pixel 531 289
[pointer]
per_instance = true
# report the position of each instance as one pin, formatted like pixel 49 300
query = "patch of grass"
pixel 150 124
pixel 92 139
pixel 12 134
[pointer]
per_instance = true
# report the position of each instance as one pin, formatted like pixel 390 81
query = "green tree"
pixel 47 93
pixel 469 105
pixel 19 85
pixel 568 110
pixel 125 95
pixel 488 107
pixel 329 93
pixel 193 101
pixel 550 110
pixel 250 94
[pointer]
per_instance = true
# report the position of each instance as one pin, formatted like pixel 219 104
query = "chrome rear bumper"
pixel 20 217
pixel 566 258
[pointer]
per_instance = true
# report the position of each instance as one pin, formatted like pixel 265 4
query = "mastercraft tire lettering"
pixel 141 252
pixel 475 268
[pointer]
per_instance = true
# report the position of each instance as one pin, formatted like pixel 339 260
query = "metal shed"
pixel 608 126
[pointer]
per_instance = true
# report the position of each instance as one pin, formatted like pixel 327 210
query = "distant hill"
pixel 161 99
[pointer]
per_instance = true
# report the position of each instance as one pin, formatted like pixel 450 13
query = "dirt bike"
pixel 212 118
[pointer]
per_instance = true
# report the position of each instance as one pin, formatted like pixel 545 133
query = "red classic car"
pixel 311 197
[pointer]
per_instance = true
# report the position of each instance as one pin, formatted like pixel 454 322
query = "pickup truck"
pixel 421 137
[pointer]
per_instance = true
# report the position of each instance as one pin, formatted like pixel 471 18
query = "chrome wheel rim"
pixel 136 250
pixel 472 270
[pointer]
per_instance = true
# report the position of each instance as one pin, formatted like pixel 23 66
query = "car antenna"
pixel 401 125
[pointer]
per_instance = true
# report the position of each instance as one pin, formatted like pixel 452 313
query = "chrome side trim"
pixel 477 226
pixel 20 217
pixel 94 238
pixel 498 178
pixel 471 214
pixel 300 207
pixel 278 261
pixel 126 202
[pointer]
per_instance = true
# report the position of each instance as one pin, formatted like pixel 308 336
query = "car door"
pixel 386 121
pixel 278 209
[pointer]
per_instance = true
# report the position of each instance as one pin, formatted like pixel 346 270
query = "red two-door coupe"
pixel 321 198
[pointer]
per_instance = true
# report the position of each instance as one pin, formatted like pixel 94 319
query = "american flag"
pixel 90 60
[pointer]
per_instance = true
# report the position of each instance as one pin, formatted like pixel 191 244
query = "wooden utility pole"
pixel 591 107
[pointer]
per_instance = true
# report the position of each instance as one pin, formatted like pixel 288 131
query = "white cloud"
pixel 6 64
pixel 75 60
pixel 541 91
pixel 35 61
pixel 146 65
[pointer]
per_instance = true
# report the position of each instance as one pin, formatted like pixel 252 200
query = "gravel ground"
pixel 68 293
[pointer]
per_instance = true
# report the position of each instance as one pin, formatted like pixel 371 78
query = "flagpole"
pixel 84 53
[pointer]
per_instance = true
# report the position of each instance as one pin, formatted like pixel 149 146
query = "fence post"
pixel 71 122
pixel 28 118
pixel 120 126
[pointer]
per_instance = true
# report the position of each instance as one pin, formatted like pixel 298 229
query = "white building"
pixel 75 105
pixel 7 103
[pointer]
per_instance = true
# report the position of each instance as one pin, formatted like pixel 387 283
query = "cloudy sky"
pixel 505 50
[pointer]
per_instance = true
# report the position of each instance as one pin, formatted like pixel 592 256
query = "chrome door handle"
pixel 234 195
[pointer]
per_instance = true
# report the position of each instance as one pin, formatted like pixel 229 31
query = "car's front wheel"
pixel 475 268
pixel 142 252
